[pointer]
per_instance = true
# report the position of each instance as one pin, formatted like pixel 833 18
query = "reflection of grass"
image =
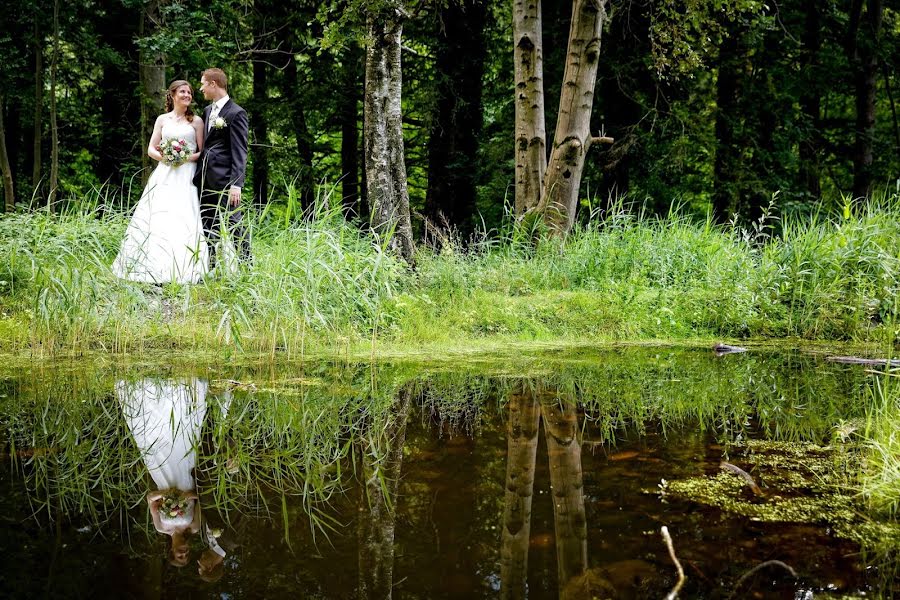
pixel 323 285
pixel 881 480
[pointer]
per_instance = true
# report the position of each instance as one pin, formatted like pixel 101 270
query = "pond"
pixel 539 476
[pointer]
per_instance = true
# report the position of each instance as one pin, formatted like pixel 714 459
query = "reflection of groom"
pixel 222 164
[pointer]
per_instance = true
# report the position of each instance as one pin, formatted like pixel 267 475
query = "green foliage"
pixel 320 283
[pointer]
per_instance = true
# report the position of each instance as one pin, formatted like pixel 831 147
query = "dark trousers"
pixel 213 208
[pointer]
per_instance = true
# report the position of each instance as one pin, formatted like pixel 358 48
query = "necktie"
pixel 212 116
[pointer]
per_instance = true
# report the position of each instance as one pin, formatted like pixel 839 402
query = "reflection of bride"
pixel 165 418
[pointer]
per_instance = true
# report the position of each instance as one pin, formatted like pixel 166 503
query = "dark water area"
pixel 540 477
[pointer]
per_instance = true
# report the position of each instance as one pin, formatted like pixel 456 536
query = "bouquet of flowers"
pixel 175 509
pixel 175 151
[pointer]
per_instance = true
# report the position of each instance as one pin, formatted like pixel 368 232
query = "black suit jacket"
pixel 223 160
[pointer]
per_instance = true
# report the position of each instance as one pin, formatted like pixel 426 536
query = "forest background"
pixel 714 106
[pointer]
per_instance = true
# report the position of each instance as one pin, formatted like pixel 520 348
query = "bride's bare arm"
pixel 200 133
pixel 153 149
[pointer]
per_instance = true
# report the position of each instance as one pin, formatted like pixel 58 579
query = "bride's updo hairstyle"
pixel 170 97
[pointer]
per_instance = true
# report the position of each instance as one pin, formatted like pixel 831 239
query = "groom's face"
pixel 206 88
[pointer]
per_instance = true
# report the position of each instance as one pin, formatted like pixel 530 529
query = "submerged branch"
pixel 681 578
pixel 743 474
pixel 759 567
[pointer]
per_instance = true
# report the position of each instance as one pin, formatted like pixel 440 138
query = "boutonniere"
pixel 219 123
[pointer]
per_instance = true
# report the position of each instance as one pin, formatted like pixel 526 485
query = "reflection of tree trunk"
pixel 522 440
pixel 382 457
pixel 564 450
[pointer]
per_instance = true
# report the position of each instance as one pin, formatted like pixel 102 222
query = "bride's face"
pixel 184 96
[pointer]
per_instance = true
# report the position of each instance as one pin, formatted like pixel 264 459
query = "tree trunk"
pixel 727 153
pixel 811 101
pixel 522 440
pixel 36 167
pixel 349 114
pixel 382 459
pixel 383 133
pixel 456 126
pixel 153 82
pixel 54 130
pixel 572 140
pixel 5 168
pixel 866 61
pixel 291 92
pixel 260 132
pixel 564 450
pixel 531 135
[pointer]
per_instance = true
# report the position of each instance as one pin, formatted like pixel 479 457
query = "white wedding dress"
pixel 164 241
pixel 165 418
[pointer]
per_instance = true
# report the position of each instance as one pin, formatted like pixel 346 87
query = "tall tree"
pixel 350 98
pixel 456 124
pixel 258 116
pixel 54 129
pixel 153 76
pixel 531 136
pixel 559 188
pixel 863 53
pixel 5 168
pixel 388 195
pixel 811 100
pixel 37 122
pixel 573 138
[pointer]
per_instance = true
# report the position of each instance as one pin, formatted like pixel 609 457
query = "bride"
pixel 164 241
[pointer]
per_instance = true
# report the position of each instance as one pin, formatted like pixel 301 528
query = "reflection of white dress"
pixel 164 240
pixel 165 418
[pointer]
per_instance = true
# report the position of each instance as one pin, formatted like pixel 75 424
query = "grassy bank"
pixel 324 286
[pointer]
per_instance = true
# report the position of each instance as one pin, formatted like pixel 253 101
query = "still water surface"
pixel 542 477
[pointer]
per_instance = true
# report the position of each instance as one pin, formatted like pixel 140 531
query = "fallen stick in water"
pixel 743 474
pixel 722 349
pixel 681 578
pixel 855 360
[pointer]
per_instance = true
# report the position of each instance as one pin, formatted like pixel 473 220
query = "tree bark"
pixel 153 82
pixel 382 459
pixel 36 167
pixel 302 136
pixel 811 101
pixel 522 440
pixel 383 132
pixel 456 125
pixel 54 129
pixel 573 139
pixel 349 115
pixel 9 202
pixel 260 132
pixel 564 450
pixel 725 198
pixel 531 135
pixel 865 57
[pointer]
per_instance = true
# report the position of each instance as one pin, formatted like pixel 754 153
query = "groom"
pixel 222 165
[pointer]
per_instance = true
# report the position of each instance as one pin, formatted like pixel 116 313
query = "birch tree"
pixel 388 195
pixel 551 188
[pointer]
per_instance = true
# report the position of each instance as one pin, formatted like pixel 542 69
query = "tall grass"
pixel 321 284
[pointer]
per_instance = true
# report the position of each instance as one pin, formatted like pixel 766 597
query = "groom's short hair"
pixel 216 75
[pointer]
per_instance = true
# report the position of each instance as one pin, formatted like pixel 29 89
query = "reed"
pixel 321 284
